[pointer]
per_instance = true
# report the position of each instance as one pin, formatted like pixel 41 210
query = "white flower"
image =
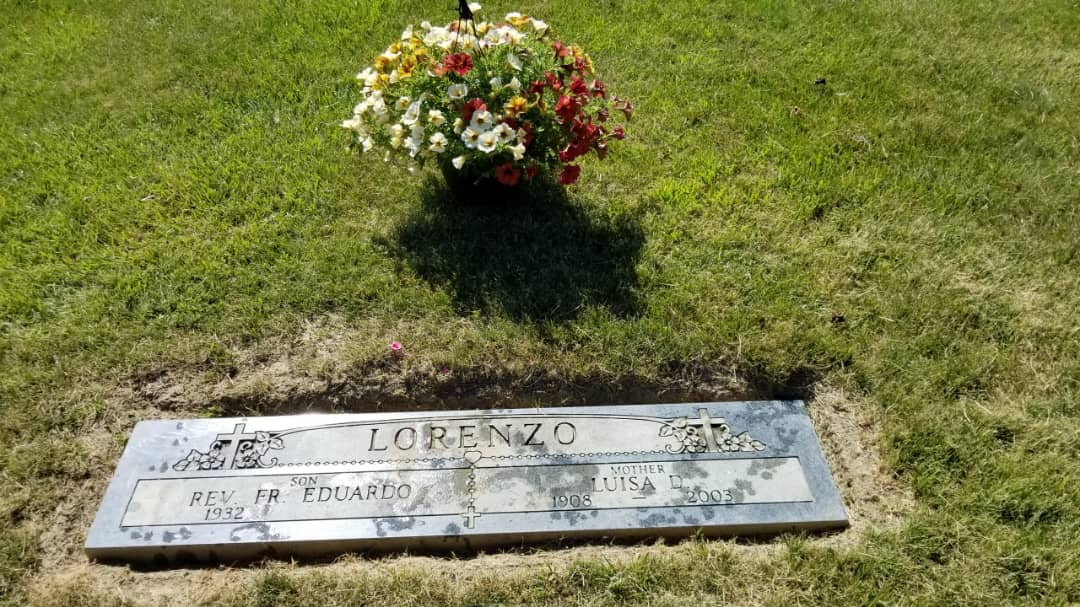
pixel 407 33
pixel 397 135
pixel 481 120
pixel 416 140
pixel 504 133
pixel 425 25
pixel 515 85
pixel 380 111
pixel 496 83
pixel 521 134
pixel 475 7
pixel 436 118
pixel 437 36
pixel 539 26
pixel 471 137
pixel 459 125
pixel 513 16
pixel 458 162
pixel 438 143
pixel 367 144
pixel 403 103
pixel 417 134
pixel 487 141
pixel 514 61
pixel 518 150
pixel 353 124
pixel 412 114
pixel 365 74
pixel 457 91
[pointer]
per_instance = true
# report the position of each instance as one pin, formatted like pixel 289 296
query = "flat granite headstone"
pixel 216 490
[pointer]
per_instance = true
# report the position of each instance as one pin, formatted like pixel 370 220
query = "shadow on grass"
pixel 535 258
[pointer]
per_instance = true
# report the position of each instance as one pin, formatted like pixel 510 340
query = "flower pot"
pixel 470 188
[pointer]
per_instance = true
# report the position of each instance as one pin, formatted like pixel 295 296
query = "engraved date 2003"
pixel 715 496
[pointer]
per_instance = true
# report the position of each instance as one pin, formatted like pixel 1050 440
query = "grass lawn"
pixel 873 205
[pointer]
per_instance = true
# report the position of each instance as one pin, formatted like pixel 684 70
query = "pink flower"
pixel 508 174
pixel 459 63
pixel 395 347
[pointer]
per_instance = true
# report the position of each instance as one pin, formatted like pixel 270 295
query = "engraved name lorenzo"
pixel 432 438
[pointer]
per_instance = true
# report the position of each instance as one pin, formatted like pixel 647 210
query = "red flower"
pixel 529 132
pixel 566 108
pixel 618 132
pixel 473 105
pixel 531 171
pixel 598 89
pixel 578 87
pixel 459 63
pixel 508 174
pixel 573 151
pixel 569 174
pixel 561 50
pixel 525 126
pixel 626 107
pixel 553 81
pixel 537 87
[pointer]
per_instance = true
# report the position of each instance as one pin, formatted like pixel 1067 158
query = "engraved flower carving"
pixel 741 442
pixel 213 459
pixel 689 437
pixel 250 453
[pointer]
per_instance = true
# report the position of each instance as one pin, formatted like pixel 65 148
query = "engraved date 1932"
pixel 228 513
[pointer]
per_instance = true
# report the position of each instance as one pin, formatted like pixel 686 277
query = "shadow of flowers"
pixel 536 257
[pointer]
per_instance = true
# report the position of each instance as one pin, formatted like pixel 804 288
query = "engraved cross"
pixel 707 424
pixel 234 443
pixel 471 516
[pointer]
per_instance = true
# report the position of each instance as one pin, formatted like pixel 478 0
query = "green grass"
pixel 175 195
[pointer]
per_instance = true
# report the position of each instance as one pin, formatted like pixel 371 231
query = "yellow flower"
pixel 381 63
pixel 517 19
pixel 381 82
pixel 517 105
pixel 405 70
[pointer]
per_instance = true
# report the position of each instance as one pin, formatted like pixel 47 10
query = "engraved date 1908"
pixel 571 501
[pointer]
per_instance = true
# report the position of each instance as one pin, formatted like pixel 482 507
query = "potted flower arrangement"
pixel 491 104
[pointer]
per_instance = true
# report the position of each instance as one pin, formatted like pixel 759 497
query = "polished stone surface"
pixel 215 490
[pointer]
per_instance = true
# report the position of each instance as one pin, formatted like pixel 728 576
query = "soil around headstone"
pixel 846 425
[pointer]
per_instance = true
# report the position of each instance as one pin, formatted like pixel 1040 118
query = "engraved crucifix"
pixel 471 516
pixel 706 423
pixel 234 443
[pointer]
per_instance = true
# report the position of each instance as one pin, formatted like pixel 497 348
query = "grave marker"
pixel 315 485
